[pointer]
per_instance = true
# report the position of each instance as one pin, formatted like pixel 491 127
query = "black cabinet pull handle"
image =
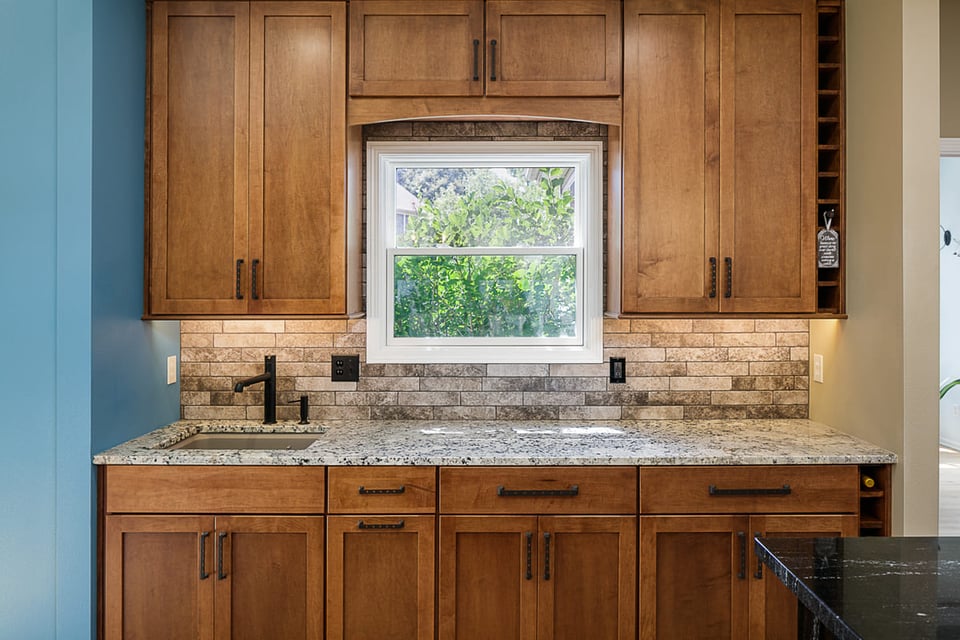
pixel 493 60
pixel 546 556
pixel 203 555
pixel 782 491
pixel 221 574
pixel 742 537
pixel 376 492
pixel 256 296
pixel 759 574
pixel 728 292
pixel 713 277
pixel 239 290
pixel 529 574
pixel 476 60
pixel 364 525
pixel 574 490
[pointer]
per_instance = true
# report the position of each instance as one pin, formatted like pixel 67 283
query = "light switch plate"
pixel 171 369
pixel 817 367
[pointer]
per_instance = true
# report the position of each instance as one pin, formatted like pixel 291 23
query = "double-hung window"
pixel 484 252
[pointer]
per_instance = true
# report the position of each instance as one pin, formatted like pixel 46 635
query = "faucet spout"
pixel 269 380
pixel 243 384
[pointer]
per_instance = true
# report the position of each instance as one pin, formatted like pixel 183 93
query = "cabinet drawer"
pixel 539 490
pixel 382 489
pixel 761 489
pixel 214 489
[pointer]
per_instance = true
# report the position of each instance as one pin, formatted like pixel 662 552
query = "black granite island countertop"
pixel 872 588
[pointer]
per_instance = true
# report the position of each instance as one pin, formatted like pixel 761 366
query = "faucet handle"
pixel 304 408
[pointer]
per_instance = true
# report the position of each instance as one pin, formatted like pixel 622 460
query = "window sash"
pixel 576 340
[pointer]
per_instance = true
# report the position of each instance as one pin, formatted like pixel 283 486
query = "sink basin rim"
pixel 236 441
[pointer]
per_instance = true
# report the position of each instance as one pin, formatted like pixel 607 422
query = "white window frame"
pixel 383 158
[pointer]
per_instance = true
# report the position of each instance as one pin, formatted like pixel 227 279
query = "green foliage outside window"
pixel 488 295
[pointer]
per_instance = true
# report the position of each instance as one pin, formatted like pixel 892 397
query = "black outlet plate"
pixel 344 368
pixel 618 370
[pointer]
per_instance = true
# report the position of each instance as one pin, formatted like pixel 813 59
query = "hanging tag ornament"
pixel 828 244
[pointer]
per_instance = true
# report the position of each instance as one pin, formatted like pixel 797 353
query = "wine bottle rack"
pixel 875 501
pixel 831 157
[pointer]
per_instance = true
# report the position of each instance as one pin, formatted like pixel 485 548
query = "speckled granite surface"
pixel 654 442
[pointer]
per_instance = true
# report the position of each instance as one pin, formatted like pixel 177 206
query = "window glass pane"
pixel 484 207
pixel 485 296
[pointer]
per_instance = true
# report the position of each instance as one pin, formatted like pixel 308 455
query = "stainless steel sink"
pixel 281 441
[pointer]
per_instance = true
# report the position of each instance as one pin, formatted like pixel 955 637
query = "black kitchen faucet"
pixel 269 380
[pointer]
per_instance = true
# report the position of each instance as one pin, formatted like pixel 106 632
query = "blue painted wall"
pixel 81 372
pixel 130 394
pixel 28 278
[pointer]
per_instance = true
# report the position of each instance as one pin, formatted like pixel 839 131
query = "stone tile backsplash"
pixel 688 368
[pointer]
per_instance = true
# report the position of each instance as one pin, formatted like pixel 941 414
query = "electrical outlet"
pixel 956 409
pixel 817 367
pixel 171 369
pixel 618 370
pixel 344 368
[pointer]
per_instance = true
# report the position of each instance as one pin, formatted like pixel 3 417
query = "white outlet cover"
pixel 817 367
pixel 171 369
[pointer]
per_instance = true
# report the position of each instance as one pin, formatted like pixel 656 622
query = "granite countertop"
pixel 872 588
pixel 642 442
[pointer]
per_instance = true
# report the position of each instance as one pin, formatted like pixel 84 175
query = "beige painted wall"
pixel 881 364
pixel 949 67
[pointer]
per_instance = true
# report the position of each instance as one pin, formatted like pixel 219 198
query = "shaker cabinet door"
pixel 432 48
pixel 671 155
pixel 768 152
pixel 159 573
pixel 197 150
pixel 693 577
pixel 297 166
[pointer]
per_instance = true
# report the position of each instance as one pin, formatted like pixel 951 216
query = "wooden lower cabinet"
pixel 773 607
pixel 700 578
pixel 527 577
pixel 380 577
pixel 212 577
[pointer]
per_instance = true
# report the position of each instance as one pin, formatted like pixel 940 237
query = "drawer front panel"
pixel 382 489
pixel 214 489
pixel 541 490
pixel 760 489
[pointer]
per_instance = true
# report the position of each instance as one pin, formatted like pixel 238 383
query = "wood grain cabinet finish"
pixel 512 567
pixel 720 152
pixel 213 577
pixel 380 577
pixel 699 575
pixel 381 558
pixel 382 490
pixel 494 48
pixel 538 490
pixel 246 151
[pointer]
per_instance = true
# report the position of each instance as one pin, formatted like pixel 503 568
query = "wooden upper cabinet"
pixel 197 214
pixel 719 156
pixel 671 155
pixel 432 48
pixel 528 49
pixel 297 164
pixel 246 152
pixel 768 150
pixel 550 48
